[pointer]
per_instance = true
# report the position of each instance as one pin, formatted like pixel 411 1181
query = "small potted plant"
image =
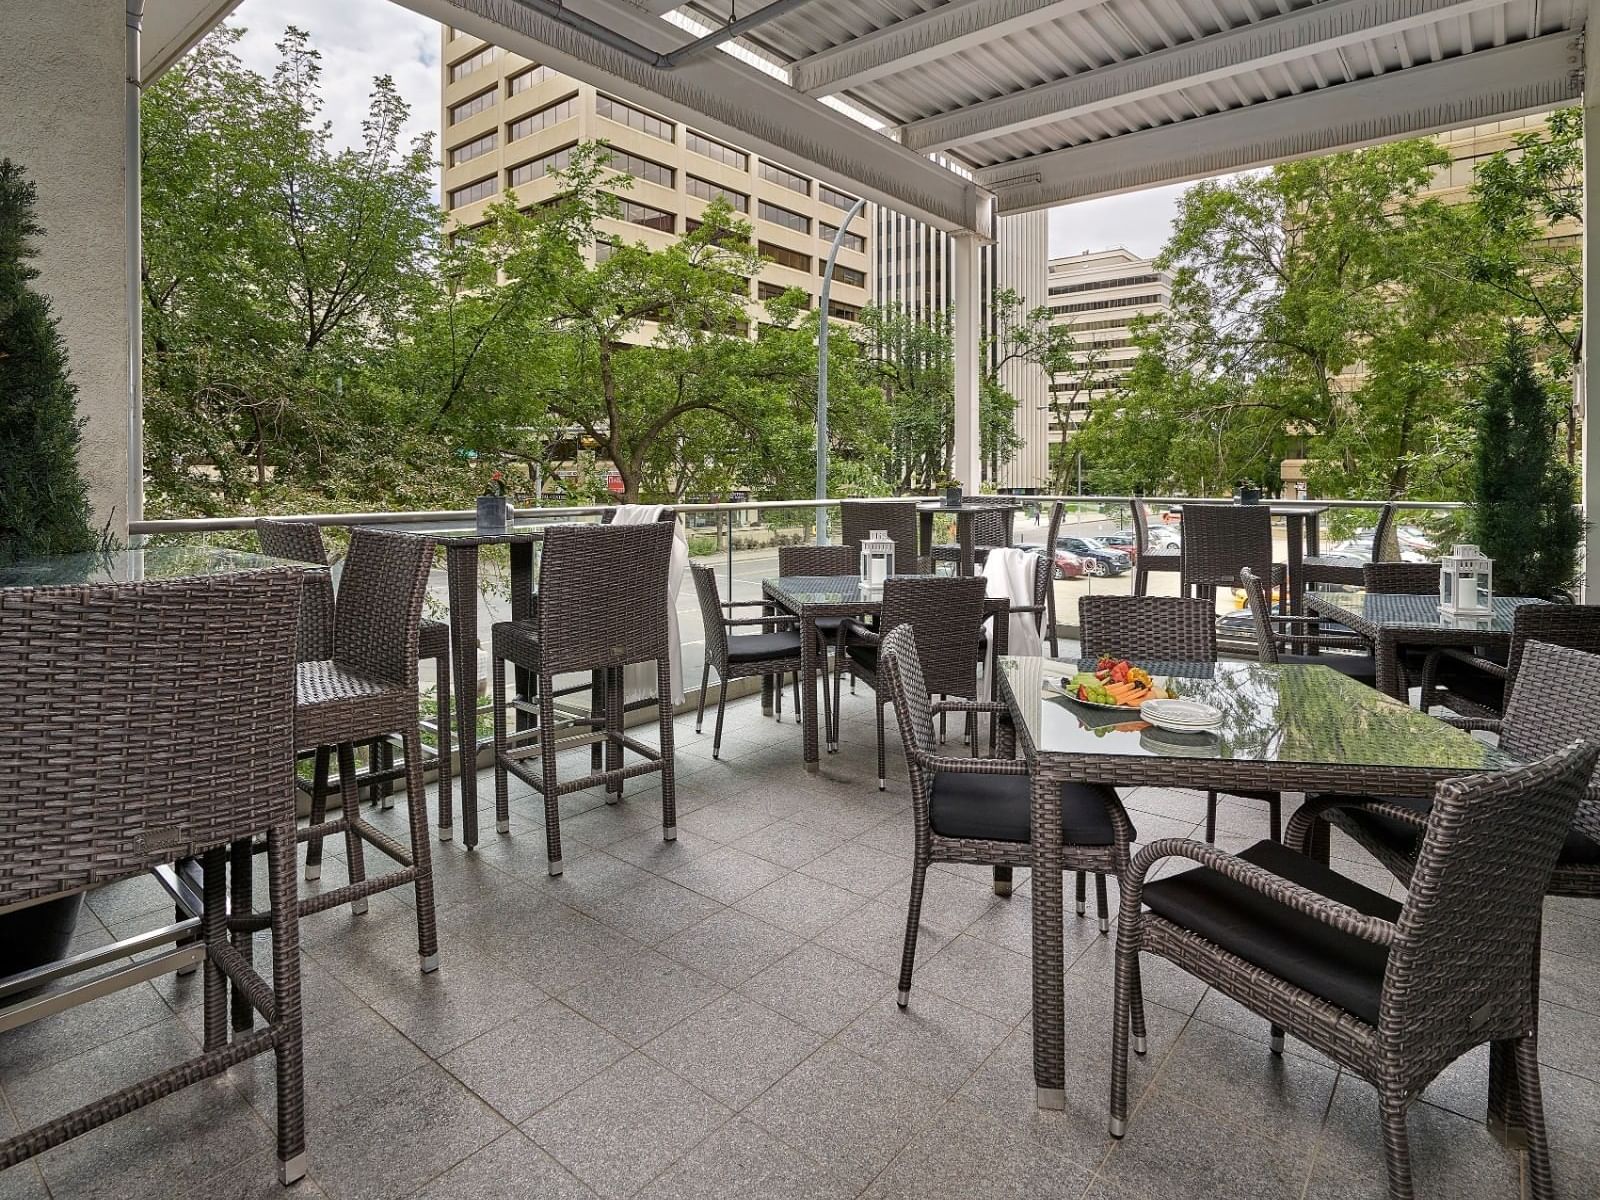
pixel 952 491
pixel 1246 492
pixel 494 509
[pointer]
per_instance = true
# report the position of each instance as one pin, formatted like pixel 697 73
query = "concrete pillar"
pixel 62 93
pixel 965 307
pixel 1588 381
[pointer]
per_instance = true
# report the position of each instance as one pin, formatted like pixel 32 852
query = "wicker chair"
pixel 1343 569
pixel 1149 559
pixel 1474 686
pixel 818 561
pixel 946 613
pixel 775 651
pixel 978 810
pixel 1392 992
pixel 1219 540
pixel 1157 628
pixel 302 541
pixel 190 684
pixel 602 605
pixel 898 518
pixel 1401 578
pixel 367 690
pixel 1274 630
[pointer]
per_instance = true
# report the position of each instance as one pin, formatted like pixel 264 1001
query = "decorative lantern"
pixel 1466 583
pixel 877 560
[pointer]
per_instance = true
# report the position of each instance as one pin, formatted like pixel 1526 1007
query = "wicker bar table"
pixel 1289 728
pixel 812 598
pixel 964 513
pixel 1391 620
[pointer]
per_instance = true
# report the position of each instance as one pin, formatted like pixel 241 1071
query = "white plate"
pixel 1180 716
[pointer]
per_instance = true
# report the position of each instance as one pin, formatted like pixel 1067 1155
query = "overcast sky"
pixel 361 39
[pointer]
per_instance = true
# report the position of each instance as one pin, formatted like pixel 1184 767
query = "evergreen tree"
pixel 1523 488
pixel 44 503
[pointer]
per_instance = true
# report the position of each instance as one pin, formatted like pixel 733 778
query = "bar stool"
pixel 1219 540
pixel 1150 559
pixel 1342 568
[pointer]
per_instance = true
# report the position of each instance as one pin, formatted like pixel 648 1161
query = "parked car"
pixel 1125 542
pixel 1067 564
pixel 1098 559
pixel 1163 537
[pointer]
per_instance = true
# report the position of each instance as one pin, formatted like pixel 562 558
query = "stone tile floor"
pixel 716 1018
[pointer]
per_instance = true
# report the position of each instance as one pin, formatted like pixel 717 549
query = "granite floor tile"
pixel 819 988
pixel 511 1168
pixel 935 1042
pixel 1219 1161
pixel 729 946
pixel 642 996
pixel 733 1049
pixel 726 874
pixel 741 1161
pixel 652 909
pixel 963 1154
pixel 800 904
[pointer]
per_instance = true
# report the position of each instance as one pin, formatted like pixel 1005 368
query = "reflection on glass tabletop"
pixel 135 566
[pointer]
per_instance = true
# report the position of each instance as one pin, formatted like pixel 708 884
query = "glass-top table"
pixel 138 566
pixel 1289 728
pixel 1391 620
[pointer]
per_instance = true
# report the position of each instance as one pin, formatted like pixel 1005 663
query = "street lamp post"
pixel 822 374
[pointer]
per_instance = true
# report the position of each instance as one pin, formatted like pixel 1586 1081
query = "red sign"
pixel 614 483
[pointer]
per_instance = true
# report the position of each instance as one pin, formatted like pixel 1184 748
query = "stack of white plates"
pixel 1181 716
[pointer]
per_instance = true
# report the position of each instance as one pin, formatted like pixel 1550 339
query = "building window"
pixel 523 80
pixel 476 148
pixel 477 190
pixel 538 168
pixel 633 118
pixel 603 250
pixel 852 241
pixel 1098 305
pixel 643 214
pixel 835 197
pixel 704 189
pixel 713 149
pixel 844 274
pixel 641 168
pixel 845 312
pixel 479 58
pixel 551 114
pixel 785 257
pixel 784 217
pixel 773 173
pixel 1063 289
pixel 472 106
pixel 771 291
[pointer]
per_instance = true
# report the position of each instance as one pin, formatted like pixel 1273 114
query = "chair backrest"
pixel 1384 546
pixel 946 612
pixel 1141 524
pixel 901 666
pixel 603 595
pixel 898 518
pixel 711 614
pixel 1401 578
pixel 818 560
pixel 1576 626
pixel 379 612
pixel 1156 628
pixel 1460 969
pixel 992 526
pixel 1058 510
pixel 301 541
pixel 1260 615
pixel 1219 539
pixel 1552 701
pixel 147 722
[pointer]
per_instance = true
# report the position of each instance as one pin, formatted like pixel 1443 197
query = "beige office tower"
pixel 507 122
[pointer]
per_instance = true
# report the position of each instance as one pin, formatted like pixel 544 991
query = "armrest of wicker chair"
pixel 1297 835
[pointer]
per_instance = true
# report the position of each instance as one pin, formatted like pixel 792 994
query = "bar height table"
pixel 964 514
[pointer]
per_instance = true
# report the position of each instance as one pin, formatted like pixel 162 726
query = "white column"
pixel 1587 382
pixel 965 308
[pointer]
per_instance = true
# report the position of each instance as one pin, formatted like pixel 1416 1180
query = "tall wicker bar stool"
pixel 1149 559
pixel 189 752
pixel 947 613
pixel 602 606
pixel 1392 992
pixel 978 810
pixel 898 518
pixel 991 529
pixel 1341 568
pixel 302 541
pixel 367 690
pixel 822 561
pixel 775 651
pixel 1475 686
pixel 1219 540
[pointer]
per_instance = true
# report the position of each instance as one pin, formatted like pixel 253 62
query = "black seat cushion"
pixel 1471 683
pixel 1579 850
pixel 828 627
pixel 1339 967
pixel 997 808
pixel 866 657
pixel 758 647
pixel 1360 667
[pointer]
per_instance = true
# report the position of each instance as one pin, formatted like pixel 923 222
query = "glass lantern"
pixel 877 560
pixel 1466 583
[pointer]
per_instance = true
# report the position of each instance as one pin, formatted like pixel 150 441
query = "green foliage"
pixel 44 503
pixel 1523 491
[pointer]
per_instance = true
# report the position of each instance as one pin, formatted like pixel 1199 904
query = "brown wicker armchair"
pixel 978 810
pixel 1149 559
pixel 1475 686
pixel 602 606
pixel 898 518
pixel 1274 630
pixel 1392 992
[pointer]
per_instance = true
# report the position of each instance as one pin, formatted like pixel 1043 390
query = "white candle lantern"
pixel 877 560
pixel 1466 582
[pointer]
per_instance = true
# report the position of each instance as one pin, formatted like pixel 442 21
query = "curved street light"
pixel 822 373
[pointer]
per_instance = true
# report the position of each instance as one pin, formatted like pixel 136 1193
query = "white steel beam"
pixel 1588 381
pixel 948 29
pixel 172 26
pixel 967 465
pixel 1331 25
pixel 726 98
pixel 1518 78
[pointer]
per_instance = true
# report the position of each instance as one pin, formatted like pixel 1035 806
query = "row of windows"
pixel 844 274
pixel 538 168
pixel 783 216
pixel 1099 285
pixel 852 241
pixel 478 189
pixel 784 256
pixel 633 118
pixel 1090 326
pixel 551 114
pixel 835 197
pixel 785 178
pixel 704 189
pixel 523 80
pixel 476 148
pixel 472 106
pixel 1095 383
pixel 479 58
pixel 1098 305
pixel 650 218
pixel 713 149
pixel 642 168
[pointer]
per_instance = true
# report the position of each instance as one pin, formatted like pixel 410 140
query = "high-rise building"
pixel 508 122
pixel 1097 295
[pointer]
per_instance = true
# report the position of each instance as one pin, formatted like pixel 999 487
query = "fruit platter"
pixel 1114 683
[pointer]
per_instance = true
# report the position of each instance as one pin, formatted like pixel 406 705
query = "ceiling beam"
pixel 1521 77
pixel 171 27
pixel 1322 27
pixel 948 29
pixel 729 99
